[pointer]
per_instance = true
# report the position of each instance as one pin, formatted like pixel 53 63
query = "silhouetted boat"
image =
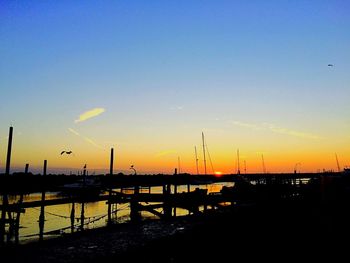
pixel 85 187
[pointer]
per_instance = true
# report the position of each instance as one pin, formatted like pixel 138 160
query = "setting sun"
pixel 217 173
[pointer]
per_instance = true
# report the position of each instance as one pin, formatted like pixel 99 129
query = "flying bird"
pixel 330 65
pixel 67 152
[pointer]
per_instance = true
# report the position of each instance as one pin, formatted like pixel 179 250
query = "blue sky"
pixel 166 70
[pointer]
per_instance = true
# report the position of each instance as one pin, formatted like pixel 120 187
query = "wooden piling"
pixel 42 208
pixel 9 150
pixel 82 216
pixel 110 189
pixel 18 218
pixel 166 205
pixel 5 197
pixel 72 217
pixel 134 206
pixel 175 192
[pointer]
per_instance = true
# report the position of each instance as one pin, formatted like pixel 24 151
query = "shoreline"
pixel 297 230
pixel 94 244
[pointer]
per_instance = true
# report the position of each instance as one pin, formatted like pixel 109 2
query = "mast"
pixel 238 167
pixel 263 163
pixel 336 158
pixel 205 161
pixel 195 151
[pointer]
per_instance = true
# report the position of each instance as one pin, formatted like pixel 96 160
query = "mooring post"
pixel 72 217
pixel 5 197
pixel 17 225
pixel 166 202
pixel 134 206
pixel 175 182
pixel 175 191
pixel 9 150
pixel 110 188
pixel 82 216
pixel 42 208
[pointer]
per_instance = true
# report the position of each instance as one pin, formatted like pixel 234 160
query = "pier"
pixel 137 194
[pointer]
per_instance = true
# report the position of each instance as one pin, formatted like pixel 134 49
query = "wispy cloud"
pixel 92 142
pixel 90 114
pixel 177 108
pixel 277 129
pixel 247 125
pixel 294 133
pixel 73 131
pixel 163 153
pixel 87 139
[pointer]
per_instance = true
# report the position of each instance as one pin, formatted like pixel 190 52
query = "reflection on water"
pixel 67 218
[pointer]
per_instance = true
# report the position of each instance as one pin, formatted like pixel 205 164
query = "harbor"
pixel 312 222
pixel 78 218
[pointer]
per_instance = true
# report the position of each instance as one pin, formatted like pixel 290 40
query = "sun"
pixel 217 173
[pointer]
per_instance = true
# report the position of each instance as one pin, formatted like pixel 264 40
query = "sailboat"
pixel 87 186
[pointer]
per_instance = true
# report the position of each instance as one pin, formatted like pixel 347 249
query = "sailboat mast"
pixel 336 158
pixel 195 151
pixel 205 161
pixel 238 166
pixel 263 163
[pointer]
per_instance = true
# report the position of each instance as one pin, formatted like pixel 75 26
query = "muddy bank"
pixel 96 244
pixel 275 232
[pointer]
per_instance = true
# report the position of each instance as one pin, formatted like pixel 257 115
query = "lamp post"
pixel 132 168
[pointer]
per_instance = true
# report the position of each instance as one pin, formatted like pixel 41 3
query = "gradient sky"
pixel 147 77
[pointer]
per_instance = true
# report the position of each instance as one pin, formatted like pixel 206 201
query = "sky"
pixel 148 77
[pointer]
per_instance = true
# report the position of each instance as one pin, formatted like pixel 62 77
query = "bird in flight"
pixel 330 65
pixel 67 152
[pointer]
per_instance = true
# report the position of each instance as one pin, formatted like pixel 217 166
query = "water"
pixel 58 217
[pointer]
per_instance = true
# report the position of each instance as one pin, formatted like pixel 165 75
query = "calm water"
pixel 58 217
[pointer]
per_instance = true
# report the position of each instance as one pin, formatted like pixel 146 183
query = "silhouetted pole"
pixel 84 176
pixel 20 208
pixel 134 205
pixel 9 149
pixel 5 198
pixel 195 151
pixel 166 205
pixel 336 158
pixel 175 182
pixel 111 162
pixel 263 163
pixel 205 161
pixel 238 163
pixel 82 216
pixel 110 189
pixel 42 208
pixel 72 217
pixel 175 190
